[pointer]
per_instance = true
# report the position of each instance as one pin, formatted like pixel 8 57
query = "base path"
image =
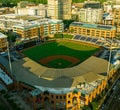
pixel 65 57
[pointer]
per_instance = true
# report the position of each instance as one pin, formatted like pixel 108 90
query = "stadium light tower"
pixel 9 59
pixel 110 56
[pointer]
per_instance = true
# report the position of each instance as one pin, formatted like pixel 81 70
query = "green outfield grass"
pixel 80 51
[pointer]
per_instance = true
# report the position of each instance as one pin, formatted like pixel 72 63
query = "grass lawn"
pixel 80 51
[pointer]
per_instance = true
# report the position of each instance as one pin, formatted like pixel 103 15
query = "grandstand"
pixel 107 43
pixel 88 39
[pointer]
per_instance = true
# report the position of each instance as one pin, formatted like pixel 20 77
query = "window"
pixel 60 97
pixel 88 31
pixel 69 95
pixel 52 102
pixel 56 97
pixel 68 102
pixel 64 97
pixel 52 96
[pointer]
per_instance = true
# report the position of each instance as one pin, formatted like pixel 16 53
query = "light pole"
pixel 110 55
pixel 9 59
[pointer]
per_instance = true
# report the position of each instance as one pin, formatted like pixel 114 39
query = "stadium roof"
pixel 5 78
pixel 35 74
pixel 95 26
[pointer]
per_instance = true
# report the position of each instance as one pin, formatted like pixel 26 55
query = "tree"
pixel 94 105
pixel 86 108
pixel 11 37
pixel 72 30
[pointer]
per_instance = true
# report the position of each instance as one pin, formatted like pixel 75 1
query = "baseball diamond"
pixel 60 53
pixel 59 61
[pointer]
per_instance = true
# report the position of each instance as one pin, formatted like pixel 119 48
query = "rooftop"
pixel 2 35
pixel 95 26
pixel 35 92
pixel 5 78
pixel 60 80
pixel 20 17
pixel 27 25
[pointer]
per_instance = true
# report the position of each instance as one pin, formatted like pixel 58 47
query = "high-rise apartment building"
pixel 90 15
pixel 59 9
pixel 35 10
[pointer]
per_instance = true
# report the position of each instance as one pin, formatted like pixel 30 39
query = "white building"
pixel 90 15
pixel 39 10
pixel 8 20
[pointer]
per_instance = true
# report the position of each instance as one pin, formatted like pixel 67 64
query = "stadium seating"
pixel 88 39
pixel 83 38
pixel 98 41
pixel 94 40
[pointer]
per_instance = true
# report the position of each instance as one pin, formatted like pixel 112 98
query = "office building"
pixel 90 15
pixel 59 9
pixel 33 10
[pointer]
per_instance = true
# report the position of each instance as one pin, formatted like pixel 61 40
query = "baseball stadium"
pixel 61 73
pixel 65 73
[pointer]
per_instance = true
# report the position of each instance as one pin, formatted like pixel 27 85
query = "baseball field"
pixel 60 54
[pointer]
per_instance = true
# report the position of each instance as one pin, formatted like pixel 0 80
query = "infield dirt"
pixel 46 60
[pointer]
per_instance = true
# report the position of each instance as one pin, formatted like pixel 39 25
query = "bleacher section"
pixel 77 37
pixel 99 41
pixel 83 38
pixel 94 40
pixel 88 39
